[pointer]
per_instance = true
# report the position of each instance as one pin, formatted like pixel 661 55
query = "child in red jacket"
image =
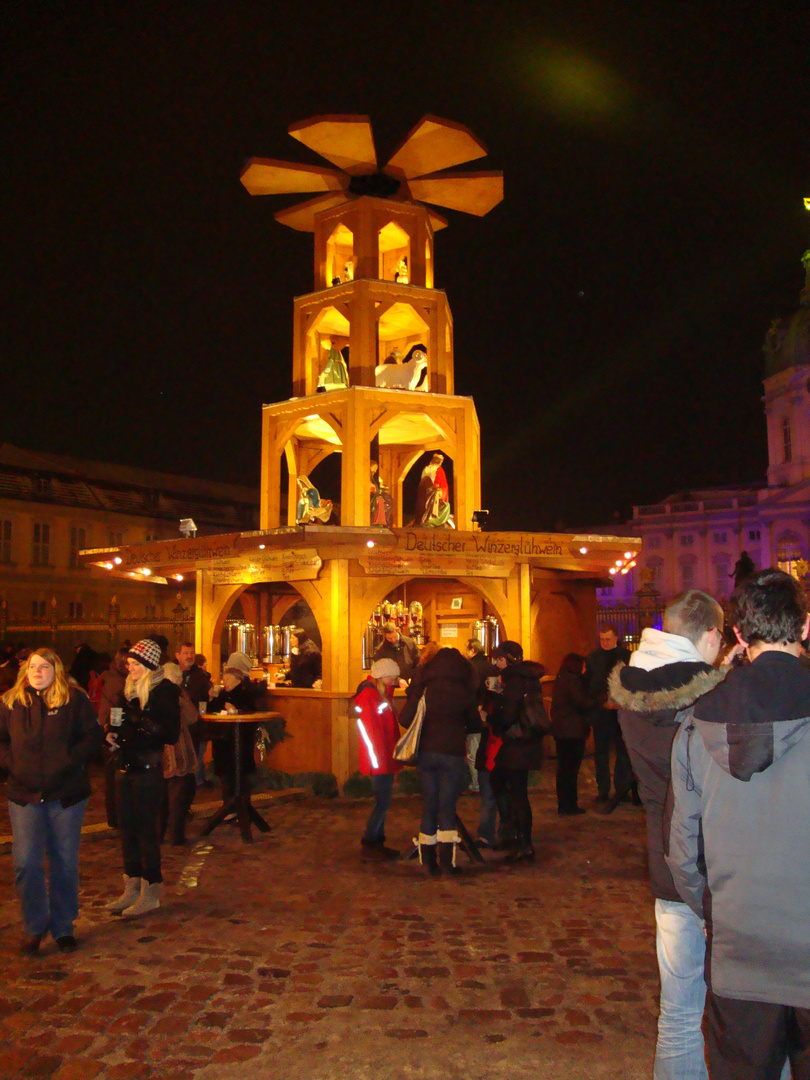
pixel 379 731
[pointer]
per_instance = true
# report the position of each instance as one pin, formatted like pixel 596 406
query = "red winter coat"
pixel 379 721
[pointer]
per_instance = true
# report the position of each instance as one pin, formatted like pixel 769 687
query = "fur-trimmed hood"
pixel 664 689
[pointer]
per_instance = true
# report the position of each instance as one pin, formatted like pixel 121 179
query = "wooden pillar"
pixel 356 464
pixel 270 513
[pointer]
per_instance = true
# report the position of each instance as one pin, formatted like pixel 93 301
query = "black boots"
pixel 376 849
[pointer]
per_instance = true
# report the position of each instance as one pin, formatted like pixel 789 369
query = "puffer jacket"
pixel 380 731
pixel 525 751
pixel 570 703
pixel 145 731
pixel 649 701
pixel 451 711
pixel 736 828
pixel 46 751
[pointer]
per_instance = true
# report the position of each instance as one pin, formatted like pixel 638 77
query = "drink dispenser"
pixel 271 638
pixel 242 638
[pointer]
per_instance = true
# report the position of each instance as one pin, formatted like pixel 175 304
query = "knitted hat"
pixel 235 671
pixel 146 652
pixel 385 669
pixel 241 661
pixel 511 651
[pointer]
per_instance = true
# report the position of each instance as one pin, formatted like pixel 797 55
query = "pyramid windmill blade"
pixel 346 141
pixel 302 215
pixel 266 176
pixel 473 193
pixel 435 144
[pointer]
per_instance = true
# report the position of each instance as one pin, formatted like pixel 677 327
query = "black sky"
pixel 609 314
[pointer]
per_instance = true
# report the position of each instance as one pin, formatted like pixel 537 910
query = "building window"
pixel 688 575
pixel 75 609
pixel 43 485
pixel 753 534
pixel 652 574
pixel 150 611
pixel 720 537
pixel 41 547
pixel 789 556
pixel 686 539
pixel 653 541
pixel 77 542
pixel 787 441
pixel 37 609
pixel 114 539
pixel 721 578
pixel 5 541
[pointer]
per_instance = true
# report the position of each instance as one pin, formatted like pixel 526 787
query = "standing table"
pixel 240 803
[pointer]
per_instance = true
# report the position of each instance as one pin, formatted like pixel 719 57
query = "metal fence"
pixel 103 634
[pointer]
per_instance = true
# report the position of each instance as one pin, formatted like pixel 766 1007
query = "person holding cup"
pixel 48 734
pixel 149 720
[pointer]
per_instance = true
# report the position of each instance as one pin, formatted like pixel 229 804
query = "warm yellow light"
pixel 370 543
pixel 108 566
pixel 618 562
pixel 613 569
pixel 178 577
pixel 118 560
pixel 628 554
pixel 261 547
pixel 583 551
pixel 145 571
pixel 807 203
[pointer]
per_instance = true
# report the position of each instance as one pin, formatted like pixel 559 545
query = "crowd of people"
pixel 707 730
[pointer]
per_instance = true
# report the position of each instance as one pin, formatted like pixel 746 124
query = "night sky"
pixel 609 314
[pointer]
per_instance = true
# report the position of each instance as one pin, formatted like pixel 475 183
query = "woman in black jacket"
pixel 48 733
pixel 147 720
pixel 305 661
pixel 522 747
pixel 239 696
pixel 448 684
pixel 570 704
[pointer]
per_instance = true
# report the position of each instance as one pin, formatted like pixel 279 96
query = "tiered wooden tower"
pixel 374 292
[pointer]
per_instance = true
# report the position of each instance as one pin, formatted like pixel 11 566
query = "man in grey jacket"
pixel 736 837
pixel 669 671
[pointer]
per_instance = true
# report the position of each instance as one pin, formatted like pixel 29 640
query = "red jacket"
pixel 377 719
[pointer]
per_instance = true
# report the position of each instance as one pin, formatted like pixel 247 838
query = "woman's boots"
pixel 427 853
pixel 448 845
pixel 149 899
pixel 132 890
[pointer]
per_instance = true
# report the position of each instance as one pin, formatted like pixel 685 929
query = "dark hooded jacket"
pixel 525 751
pixel 451 711
pixel 736 831
pixel 648 705
pixel 46 751
pixel 306 665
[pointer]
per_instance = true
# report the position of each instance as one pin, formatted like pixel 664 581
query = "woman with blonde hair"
pixel 48 734
pixel 147 719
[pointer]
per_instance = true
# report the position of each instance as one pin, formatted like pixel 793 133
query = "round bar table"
pixel 240 803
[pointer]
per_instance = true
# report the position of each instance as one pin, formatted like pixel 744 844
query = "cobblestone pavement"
pixel 294 957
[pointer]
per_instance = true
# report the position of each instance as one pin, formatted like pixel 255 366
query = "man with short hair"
pixel 196 683
pixel 603 721
pixel 736 837
pixel 401 649
pixel 670 670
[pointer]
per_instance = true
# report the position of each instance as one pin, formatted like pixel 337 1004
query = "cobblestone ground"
pixel 294 957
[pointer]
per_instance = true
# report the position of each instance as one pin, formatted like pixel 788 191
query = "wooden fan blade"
pixel 266 176
pixel 435 144
pixel 472 193
pixel 346 141
pixel 302 215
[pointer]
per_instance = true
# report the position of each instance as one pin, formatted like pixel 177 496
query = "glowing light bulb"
pixel 118 560
pixel 369 543
pixel 583 551
pixel 613 569
pixel 178 577
pixel 145 571
pixel 261 547
pixel 628 554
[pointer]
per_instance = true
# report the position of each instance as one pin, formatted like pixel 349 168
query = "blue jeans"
pixel 681 948
pixel 487 822
pixel 49 827
pixel 442 777
pixel 383 787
